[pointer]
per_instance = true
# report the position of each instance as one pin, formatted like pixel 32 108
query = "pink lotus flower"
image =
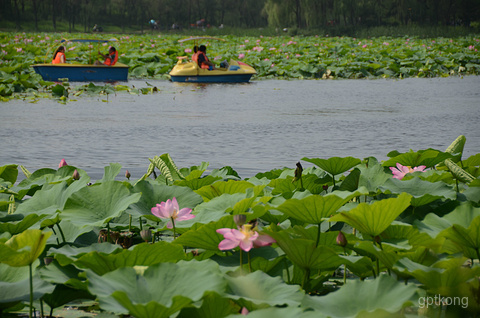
pixel 62 163
pixel 401 171
pixel 246 237
pixel 241 56
pixel 170 210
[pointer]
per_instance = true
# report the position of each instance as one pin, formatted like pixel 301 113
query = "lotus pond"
pixel 152 56
pixel 343 238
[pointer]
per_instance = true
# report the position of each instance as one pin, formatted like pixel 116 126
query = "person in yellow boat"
pixel 203 61
pixel 59 55
pixel 195 54
pixel 110 59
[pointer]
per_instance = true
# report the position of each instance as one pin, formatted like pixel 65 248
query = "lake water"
pixel 252 127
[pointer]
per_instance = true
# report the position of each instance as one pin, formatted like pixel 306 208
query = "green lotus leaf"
pixel 465 237
pixel 373 176
pixel 334 165
pixel 62 295
pixel 23 249
pixel 446 277
pixel 218 188
pixel 428 158
pixel 20 226
pixel 154 193
pixel 98 204
pixel 164 287
pixel 423 192
pixel 9 173
pixel 51 198
pixel 206 237
pixel 384 293
pixel 287 312
pixel 197 183
pixel 68 254
pixel 433 224
pixel 213 305
pixel 315 209
pixel 143 254
pixel 305 254
pixel 310 182
pixel 373 219
pixel 387 255
pixel 260 288
pixel 44 176
pixel 62 275
pixel 14 292
pixel 110 172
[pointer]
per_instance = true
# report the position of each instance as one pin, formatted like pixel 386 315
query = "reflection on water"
pixel 252 127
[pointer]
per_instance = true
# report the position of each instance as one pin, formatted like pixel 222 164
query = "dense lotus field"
pixel 152 56
pixel 344 237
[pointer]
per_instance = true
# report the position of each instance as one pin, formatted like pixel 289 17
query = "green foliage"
pixel 421 229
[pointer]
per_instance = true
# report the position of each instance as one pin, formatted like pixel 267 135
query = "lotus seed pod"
pixel 240 219
pixel 146 235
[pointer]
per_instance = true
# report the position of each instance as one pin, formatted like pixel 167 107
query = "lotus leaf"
pixel 423 192
pixel 98 204
pixel 357 297
pixel 24 248
pixel 259 288
pixel 160 291
pixel 373 219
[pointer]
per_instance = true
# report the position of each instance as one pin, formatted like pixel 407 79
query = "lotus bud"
pixel 76 175
pixel 240 219
pixel 127 175
pixel 378 240
pixel 62 163
pixel 146 235
pixel 325 187
pixel 341 239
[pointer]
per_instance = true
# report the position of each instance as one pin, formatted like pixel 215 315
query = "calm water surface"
pixel 252 127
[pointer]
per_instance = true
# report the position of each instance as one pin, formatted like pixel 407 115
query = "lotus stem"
pixel 174 232
pixel 478 254
pixel 249 262
pixel 31 290
pixel 306 278
pixel 108 232
pixel 286 269
pixel 241 262
pixel 41 308
pixel 318 234
pixel 61 233
pixel 130 223
pixel 344 274
pixel 140 220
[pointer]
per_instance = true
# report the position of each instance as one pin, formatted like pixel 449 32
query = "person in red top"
pixel 59 55
pixel 110 59
pixel 203 61
pixel 195 54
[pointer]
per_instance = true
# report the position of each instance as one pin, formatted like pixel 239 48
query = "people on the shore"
pixel 203 60
pixel 59 55
pixel 110 58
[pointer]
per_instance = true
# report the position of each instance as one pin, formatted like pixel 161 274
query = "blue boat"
pixel 77 72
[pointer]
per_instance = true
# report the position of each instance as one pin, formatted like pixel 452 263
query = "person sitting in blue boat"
pixel 59 55
pixel 203 61
pixel 110 59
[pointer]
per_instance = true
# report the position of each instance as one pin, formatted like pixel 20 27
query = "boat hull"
pixel 242 78
pixel 236 72
pixel 82 72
